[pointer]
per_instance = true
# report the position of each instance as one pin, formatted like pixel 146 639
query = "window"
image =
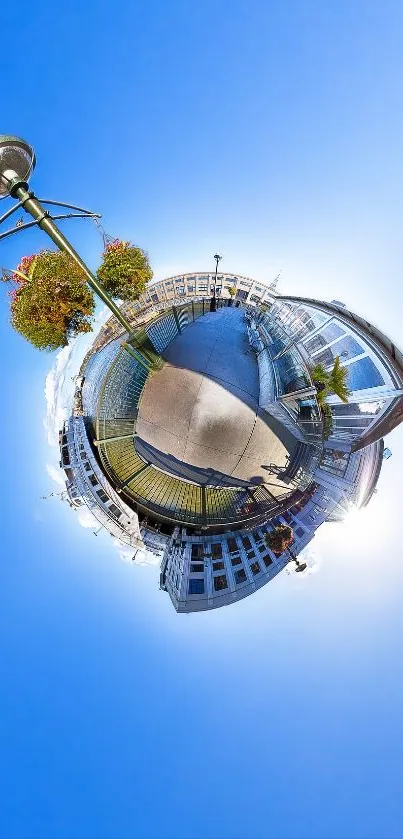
pixel 353 422
pixel 220 582
pixel 262 548
pixel 197 568
pixel 93 480
pixel 357 409
pixel 363 374
pixel 236 560
pixel 345 348
pixel 240 576
pixel 299 532
pixel 291 373
pixel 218 566
pixel 232 545
pixel 246 542
pixel 102 495
pixel 267 560
pixel 334 461
pixel 196 586
pixel 197 551
pixel 216 550
pixel 250 554
pixel 255 568
pixel 115 510
pixel 325 336
pixel 154 298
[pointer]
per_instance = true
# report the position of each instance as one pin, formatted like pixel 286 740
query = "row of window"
pixel 203 285
pixel 196 585
pixel 112 508
pixel 220 581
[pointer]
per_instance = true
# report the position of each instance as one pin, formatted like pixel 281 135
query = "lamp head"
pixel 17 161
pixel 301 567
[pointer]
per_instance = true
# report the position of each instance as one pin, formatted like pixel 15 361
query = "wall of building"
pixel 207 571
pixel 89 486
pixel 323 331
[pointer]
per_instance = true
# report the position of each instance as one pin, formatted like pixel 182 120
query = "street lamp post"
pixel 213 303
pixel 301 566
pixel 17 162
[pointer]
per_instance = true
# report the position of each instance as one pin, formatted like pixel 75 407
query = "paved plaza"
pixel 199 416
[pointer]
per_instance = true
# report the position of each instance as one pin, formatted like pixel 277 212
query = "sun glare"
pixel 359 530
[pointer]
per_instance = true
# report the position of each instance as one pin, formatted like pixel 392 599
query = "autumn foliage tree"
pixel 125 270
pixel 51 301
pixel 279 538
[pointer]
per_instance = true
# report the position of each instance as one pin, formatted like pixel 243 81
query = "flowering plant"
pixel 125 270
pixel 51 301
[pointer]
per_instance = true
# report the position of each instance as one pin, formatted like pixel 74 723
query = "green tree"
pixel 51 301
pixel 125 270
pixel 327 418
pixel 338 380
pixel 231 290
pixel 321 380
pixel 330 381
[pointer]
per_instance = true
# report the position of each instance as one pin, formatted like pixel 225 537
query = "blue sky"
pixel 273 133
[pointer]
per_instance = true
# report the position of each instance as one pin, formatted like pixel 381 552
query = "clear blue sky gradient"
pixel 272 132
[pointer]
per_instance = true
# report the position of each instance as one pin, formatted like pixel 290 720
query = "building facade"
pixel 207 512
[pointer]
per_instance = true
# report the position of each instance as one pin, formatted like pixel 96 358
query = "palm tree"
pixel 327 418
pixel 330 381
pixel 321 380
pixel 338 380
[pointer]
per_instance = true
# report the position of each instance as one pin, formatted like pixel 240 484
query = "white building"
pixel 214 550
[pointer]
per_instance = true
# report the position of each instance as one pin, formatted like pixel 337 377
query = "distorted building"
pixel 203 431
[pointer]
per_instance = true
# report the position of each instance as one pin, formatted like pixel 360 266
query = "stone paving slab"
pixel 160 438
pixel 221 419
pixel 168 400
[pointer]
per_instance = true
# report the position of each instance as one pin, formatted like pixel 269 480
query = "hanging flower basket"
pixel 51 301
pixel 125 270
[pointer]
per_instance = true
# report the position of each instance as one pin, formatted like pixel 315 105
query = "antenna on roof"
pixel 62 495
pixel 273 284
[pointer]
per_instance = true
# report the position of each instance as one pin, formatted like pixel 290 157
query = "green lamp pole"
pixel 17 161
